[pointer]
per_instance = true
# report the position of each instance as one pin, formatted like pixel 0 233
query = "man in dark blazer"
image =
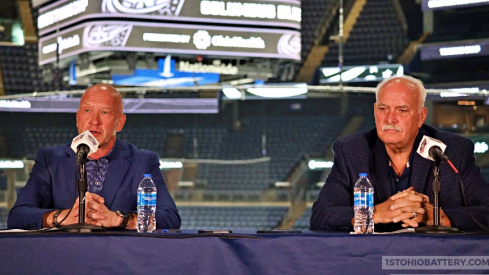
pixel 113 176
pixel 402 179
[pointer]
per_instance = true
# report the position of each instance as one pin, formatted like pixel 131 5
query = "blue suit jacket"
pixel 365 152
pixel 53 185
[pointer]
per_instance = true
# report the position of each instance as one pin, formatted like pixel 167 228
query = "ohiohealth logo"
pixel 160 7
pixel 202 40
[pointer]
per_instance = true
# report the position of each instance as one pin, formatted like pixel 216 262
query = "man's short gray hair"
pixel 418 84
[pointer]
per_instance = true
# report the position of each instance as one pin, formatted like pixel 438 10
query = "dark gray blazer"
pixel 365 152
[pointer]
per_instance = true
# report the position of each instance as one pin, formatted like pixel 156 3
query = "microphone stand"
pixel 81 226
pixel 436 227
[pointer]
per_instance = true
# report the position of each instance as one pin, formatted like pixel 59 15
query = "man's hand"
pixel 407 206
pixel 98 214
pixel 413 207
pixel 72 217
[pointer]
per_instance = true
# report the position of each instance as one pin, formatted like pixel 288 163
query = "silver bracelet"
pixel 55 218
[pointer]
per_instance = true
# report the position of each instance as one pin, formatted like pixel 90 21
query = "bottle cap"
pixel 363 174
pixel 147 175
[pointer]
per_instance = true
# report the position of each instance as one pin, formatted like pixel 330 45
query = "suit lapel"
pixel 70 174
pixel 380 163
pixel 118 167
pixel 421 167
pixel 420 173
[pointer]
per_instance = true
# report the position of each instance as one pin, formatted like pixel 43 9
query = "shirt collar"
pixel 109 155
pixel 410 159
pixel 407 164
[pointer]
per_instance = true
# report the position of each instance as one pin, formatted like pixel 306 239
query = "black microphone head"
pixel 437 154
pixel 82 147
pixel 81 153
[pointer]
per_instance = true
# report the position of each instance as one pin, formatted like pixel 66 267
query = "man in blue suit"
pixel 402 179
pixel 113 175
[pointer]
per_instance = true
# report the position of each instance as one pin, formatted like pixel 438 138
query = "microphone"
pixel 432 149
pixel 436 153
pixel 84 145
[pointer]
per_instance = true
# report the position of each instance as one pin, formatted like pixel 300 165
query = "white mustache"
pixel 391 127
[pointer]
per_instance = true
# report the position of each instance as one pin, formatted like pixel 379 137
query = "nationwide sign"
pixel 454 50
pixel 165 76
pixel 170 38
pixel 215 67
pixel 276 13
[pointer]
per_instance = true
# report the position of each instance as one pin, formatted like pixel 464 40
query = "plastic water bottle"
pixel 363 205
pixel 146 205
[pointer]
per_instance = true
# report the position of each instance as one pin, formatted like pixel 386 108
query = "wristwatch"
pixel 125 217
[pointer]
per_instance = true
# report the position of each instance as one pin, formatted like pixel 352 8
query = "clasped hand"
pixel 96 212
pixel 407 206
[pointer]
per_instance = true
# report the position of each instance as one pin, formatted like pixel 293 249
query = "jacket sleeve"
pixel 473 191
pixel 333 209
pixel 34 199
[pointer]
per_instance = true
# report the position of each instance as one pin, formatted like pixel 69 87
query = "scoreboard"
pixel 250 28
pixel 260 12
pixel 170 38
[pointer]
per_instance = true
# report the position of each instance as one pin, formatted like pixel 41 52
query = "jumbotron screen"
pixel 266 13
pixel 251 28
pixel 170 38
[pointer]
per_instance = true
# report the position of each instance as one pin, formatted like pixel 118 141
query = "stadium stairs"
pixel 378 36
pixel 25 12
pixel 410 51
pixel 322 34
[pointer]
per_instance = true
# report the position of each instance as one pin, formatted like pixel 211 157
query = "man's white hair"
pixel 418 85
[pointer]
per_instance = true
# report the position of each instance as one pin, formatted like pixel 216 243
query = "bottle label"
pixel 370 199
pixel 359 199
pixel 146 199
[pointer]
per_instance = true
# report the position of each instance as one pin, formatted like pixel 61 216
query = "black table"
pixel 123 252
